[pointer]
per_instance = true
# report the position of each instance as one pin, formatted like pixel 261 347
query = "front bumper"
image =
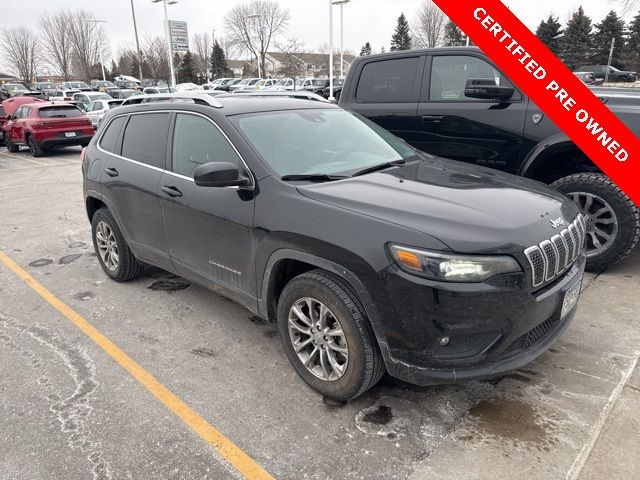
pixel 491 327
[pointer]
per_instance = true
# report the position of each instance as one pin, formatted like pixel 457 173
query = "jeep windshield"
pixel 320 144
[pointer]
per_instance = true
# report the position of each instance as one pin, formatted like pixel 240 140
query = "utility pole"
pixel 331 97
pixel 613 45
pixel 135 30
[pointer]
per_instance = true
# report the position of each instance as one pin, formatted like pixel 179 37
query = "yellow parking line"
pixel 61 164
pixel 227 449
pixel 22 158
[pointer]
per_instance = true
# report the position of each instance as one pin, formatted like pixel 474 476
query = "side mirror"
pixel 486 89
pixel 219 174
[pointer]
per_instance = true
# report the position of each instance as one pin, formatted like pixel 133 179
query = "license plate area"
pixel 571 297
pixel 69 134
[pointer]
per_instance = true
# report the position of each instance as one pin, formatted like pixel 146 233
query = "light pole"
pixel 256 16
pixel 168 37
pixel 104 77
pixel 331 97
pixel 135 30
pixel 341 3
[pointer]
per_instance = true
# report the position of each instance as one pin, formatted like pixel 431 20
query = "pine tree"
pixel 631 54
pixel 401 38
pixel 188 69
pixel 366 49
pixel 383 50
pixel 453 36
pixel 550 33
pixel 219 67
pixel 611 27
pixel 576 46
pixel 114 70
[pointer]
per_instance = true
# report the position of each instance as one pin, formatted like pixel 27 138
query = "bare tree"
pixel 19 49
pixel 56 44
pixel 293 65
pixel 154 53
pixel 201 51
pixel 627 5
pixel 251 27
pixel 88 40
pixel 428 27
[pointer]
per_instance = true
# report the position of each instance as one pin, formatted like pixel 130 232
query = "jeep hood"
pixel 471 209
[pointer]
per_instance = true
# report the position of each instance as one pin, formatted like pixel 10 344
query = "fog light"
pixel 444 341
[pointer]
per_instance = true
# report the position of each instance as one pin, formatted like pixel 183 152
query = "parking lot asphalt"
pixel 71 411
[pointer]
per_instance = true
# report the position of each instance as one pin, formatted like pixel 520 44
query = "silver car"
pixel 98 108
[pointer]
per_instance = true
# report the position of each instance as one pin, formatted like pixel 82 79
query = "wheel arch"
pixel 554 158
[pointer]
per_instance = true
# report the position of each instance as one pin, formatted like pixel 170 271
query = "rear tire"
pixel 609 212
pixel 35 149
pixel 335 374
pixel 114 255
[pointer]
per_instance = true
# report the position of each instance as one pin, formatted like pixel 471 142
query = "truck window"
pixel 449 75
pixel 388 81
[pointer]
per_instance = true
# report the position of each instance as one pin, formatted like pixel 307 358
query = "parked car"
pixel 184 96
pixel 9 90
pixel 8 108
pixel 149 90
pixel 97 109
pixel 103 86
pixel 319 86
pixel 182 87
pixel 124 93
pixel 247 82
pixel 588 78
pixel 369 254
pixel 75 85
pixel 44 87
pixel 446 111
pixel 127 82
pixel 226 83
pixel 615 75
pixel 62 95
pixel 83 99
pixel 43 126
pixel 264 84
pixel 283 84
pixel 305 83
pixel 337 89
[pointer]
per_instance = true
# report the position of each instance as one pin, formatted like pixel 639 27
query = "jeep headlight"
pixel 449 267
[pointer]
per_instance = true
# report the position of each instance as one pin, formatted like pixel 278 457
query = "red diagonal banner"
pixel 552 87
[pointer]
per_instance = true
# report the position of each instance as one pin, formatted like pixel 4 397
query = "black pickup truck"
pixel 455 103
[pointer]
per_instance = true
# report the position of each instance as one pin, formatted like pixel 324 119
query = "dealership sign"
pixel 179 36
pixel 552 87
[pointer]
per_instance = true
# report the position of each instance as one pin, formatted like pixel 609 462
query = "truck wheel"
pixel 35 149
pixel 327 336
pixel 112 250
pixel 613 220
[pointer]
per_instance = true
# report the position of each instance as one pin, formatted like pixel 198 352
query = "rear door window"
pixel 109 139
pixel 197 141
pixel 388 81
pixel 145 138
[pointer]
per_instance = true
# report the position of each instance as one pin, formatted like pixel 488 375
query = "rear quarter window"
pixel 388 81
pixel 109 139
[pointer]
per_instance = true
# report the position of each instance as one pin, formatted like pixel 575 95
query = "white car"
pixel 283 84
pixel 305 83
pixel 98 108
pixel 83 99
pixel 264 84
pixel 247 82
pixel 150 90
pixel 62 95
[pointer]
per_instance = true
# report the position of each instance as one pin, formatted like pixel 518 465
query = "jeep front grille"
pixel 551 258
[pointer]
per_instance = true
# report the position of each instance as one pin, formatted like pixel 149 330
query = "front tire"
pixel 613 220
pixel 327 336
pixel 11 147
pixel 114 255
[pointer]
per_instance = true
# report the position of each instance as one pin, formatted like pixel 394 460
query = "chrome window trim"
pixel 164 170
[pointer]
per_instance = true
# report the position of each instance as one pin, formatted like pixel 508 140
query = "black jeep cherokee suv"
pixel 369 254
pixel 455 103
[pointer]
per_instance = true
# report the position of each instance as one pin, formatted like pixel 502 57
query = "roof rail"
pixel 196 97
pixel 300 94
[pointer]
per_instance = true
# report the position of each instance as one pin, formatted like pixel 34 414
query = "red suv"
pixel 42 126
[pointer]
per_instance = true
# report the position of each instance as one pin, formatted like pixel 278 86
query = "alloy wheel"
pixel 602 223
pixel 107 246
pixel 318 339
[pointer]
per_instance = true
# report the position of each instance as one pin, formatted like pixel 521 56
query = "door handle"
pixel 171 191
pixel 112 172
pixel 432 118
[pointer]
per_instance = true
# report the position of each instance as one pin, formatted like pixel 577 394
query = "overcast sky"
pixel 365 20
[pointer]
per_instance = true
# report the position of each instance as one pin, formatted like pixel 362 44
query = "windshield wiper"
pixel 381 166
pixel 313 177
